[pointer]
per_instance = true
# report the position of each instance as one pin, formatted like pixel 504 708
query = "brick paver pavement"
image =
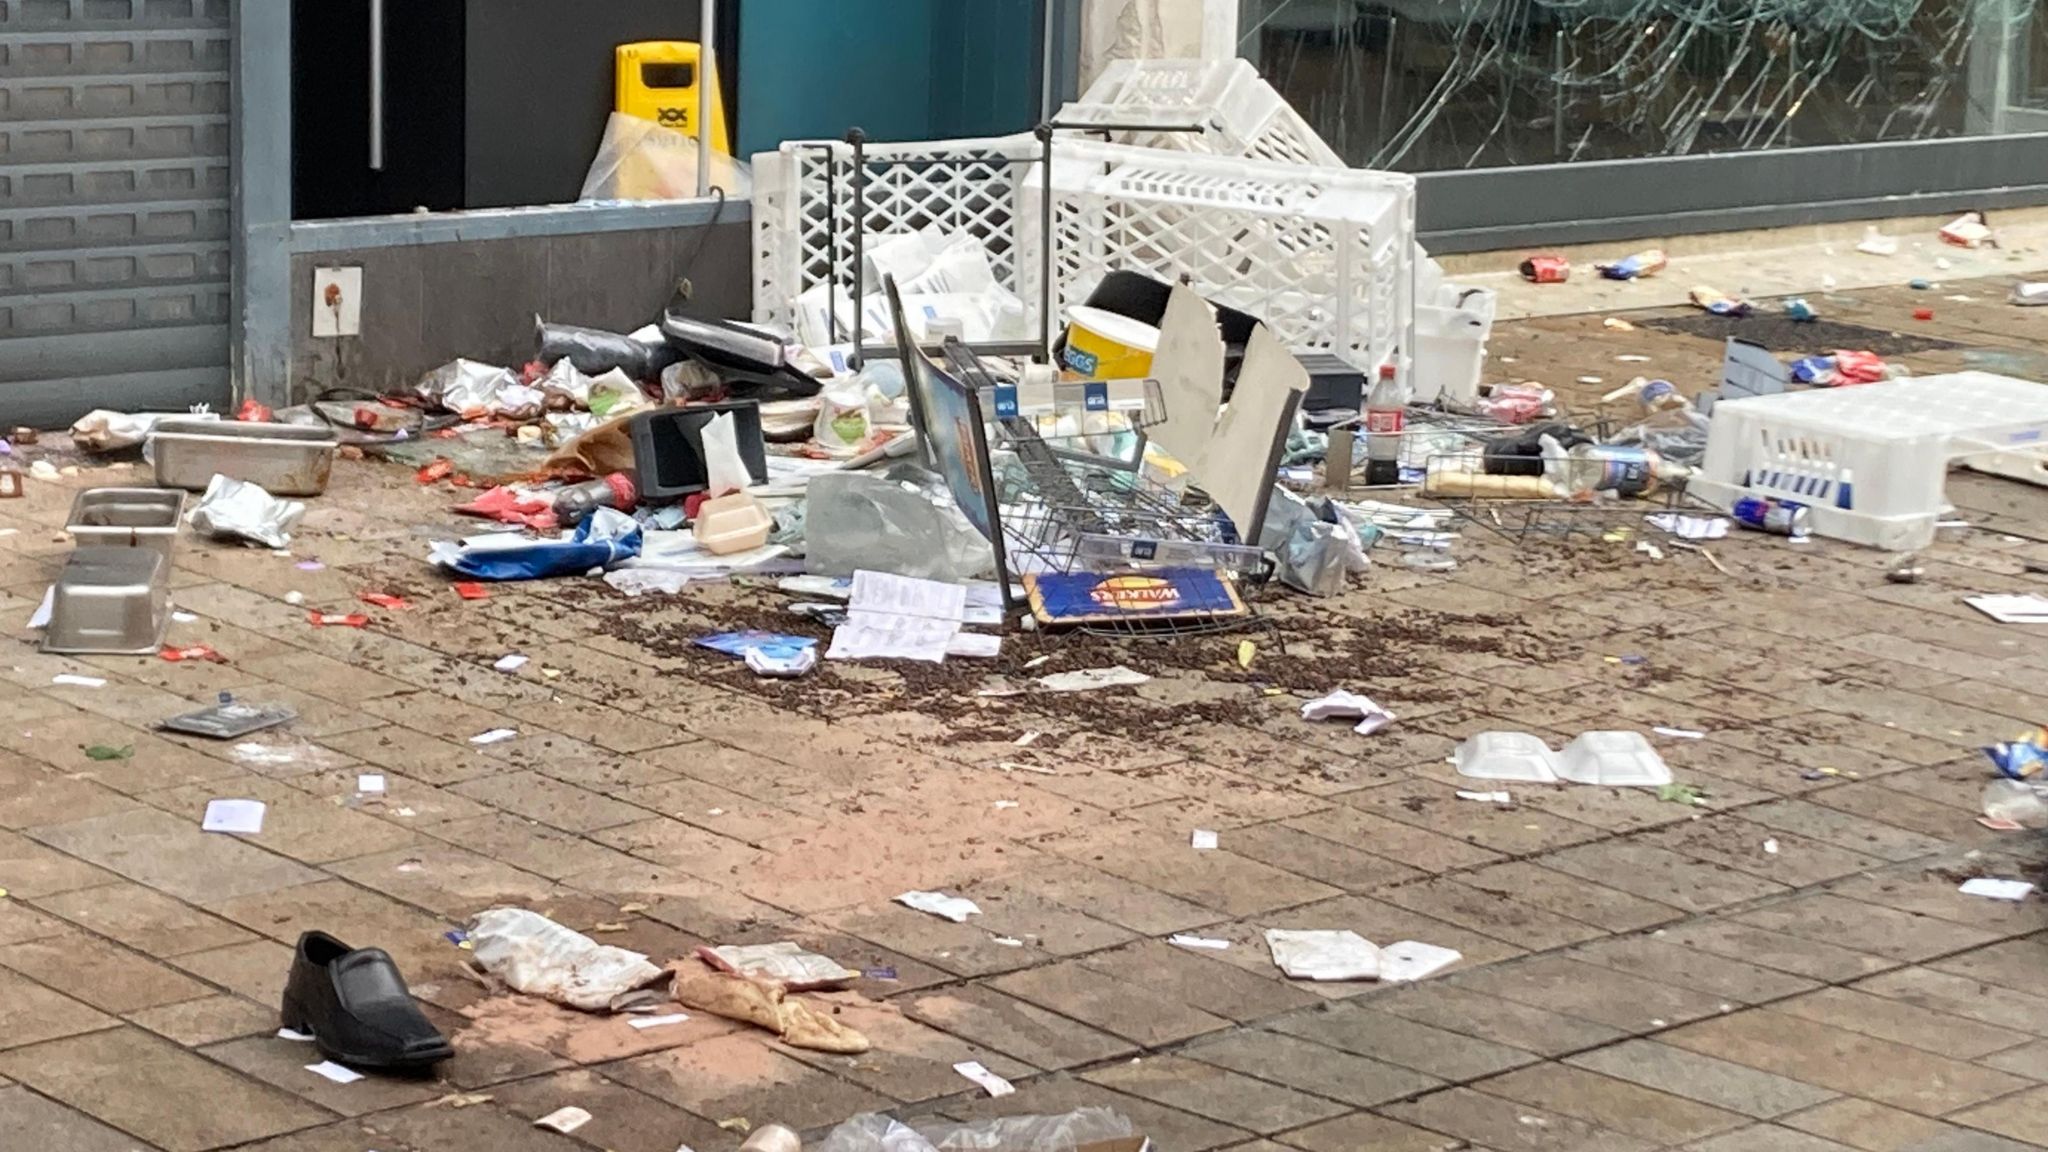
pixel 1639 973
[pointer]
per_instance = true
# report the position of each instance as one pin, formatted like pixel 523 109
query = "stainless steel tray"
pixel 127 518
pixel 282 459
pixel 110 602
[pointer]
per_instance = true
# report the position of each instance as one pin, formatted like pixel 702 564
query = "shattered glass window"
pixel 1427 85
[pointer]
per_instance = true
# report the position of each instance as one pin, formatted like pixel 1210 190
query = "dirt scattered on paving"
pixel 1797 338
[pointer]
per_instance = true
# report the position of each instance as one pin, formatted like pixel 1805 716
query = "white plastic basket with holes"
pixel 804 209
pixel 1239 114
pixel 1868 460
pixel 1325 256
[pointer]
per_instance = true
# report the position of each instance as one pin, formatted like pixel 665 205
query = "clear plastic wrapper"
pixel 1063 1133
pixel 641 160
pixel 465 386
pixel 904 523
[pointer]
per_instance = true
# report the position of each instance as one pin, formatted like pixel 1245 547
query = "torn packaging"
pixel 765 1004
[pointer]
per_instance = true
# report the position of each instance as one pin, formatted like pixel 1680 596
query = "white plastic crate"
pixel 1869 460
pixel 1325 256
pixel 1238 112
pixel 805 190
pixel 2028 466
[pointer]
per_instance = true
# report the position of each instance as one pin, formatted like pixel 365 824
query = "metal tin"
pixel 1778 517
pixel 281 459
pixel 127 518
pixel 110 602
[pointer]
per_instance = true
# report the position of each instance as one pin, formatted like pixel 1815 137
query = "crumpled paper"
pixel 236 509
pixel 465 386
pixel 1342 705
pixel 535 955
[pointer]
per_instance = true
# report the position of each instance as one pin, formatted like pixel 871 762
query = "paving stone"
pixel 51 1127
pixel 1361 1029
pixel 415 755
pixel 1058 1095
pixel 960 949
pixel 154 1095
pixel 448 881
pixel 19 922
pixel 31 1013
pixel 1375 833
pixel 96 972
pixel 29 871
pixel 207 1020
pixel 1904 1023
pixel 1658 874
pixel 1195 977
pixel 1337 865
pixel 1801 957
pixel 739 1075
pixel 2029 1060
pixel 1766 1138
pixel 1878 800
pixel 1231 884
pixel 1817 820
pixel 1023 1031
pixel 1488 1018
pixel 1534 885
pixel 1501 917
pixel 1962 996
pixel 1845 1061
pixel 1870 1126
pixel 484 1126
pixel 173 855
pixel 1496 1123
pixel 33 794
pixel 2007 964
pixel 1739 844
pixel 282 1063
pixel 1365 1130
pixel 1707 1079
pixel 1627 1002
pixel 1216 1093
pixel 1925 888
pixel 143 919
pixel 1313 1068
pixel 548 801
pixel 1865 927
pixel 255 970
pixel 907 1060
pixel 1134 1011
pixel 1654 958
pixel 1010 907
pixel 622 1119
pixel 312 829
pixel 1645 1113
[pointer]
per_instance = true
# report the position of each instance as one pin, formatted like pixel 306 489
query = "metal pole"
pixel 376 85
pixel 707 30
pixel 859 140
pixel 1045 255
pixel 1049 45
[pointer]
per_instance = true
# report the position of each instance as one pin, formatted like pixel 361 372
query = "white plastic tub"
pixel 1450 345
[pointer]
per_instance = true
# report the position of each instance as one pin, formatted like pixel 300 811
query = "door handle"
pixel 376 85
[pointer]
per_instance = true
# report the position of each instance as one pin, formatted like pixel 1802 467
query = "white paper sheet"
pixel 370 784
pixel 240 817
pixel 645 1022
pixel 1088 679
pixel 904 596
pixel 954 908
pixel 2011 609
pixel 1324 955
pixel 511 663
pixel 892 638
pixel 1202 840
pixel 1996 889
pixel 1413 960
pixel 335 1072
pixel 71 681
pixel 40 618
pixel 494 736
pixel 1208 943
pixel 567 1120
pixel 974 646
pixel 991 1083
pixel 1691 527
pixel 1348 706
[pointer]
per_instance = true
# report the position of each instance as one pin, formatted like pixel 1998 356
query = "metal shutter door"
pixel 114 214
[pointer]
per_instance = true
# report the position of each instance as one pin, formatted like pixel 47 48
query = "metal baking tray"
pixel 127 518
pixel 110 602
pixel 282 459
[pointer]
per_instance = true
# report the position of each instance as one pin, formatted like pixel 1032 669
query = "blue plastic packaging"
pixel 2023 756
pixel 608 537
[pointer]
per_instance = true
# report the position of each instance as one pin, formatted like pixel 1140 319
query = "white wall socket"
pixel 337 303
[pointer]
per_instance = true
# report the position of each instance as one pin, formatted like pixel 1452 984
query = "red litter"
pixel 194 652
pixel 253 413
pixel 471 590
pixel 438 470
pixel 1547 269
pixel 385 600
pixel 337 620
pixel 1923 313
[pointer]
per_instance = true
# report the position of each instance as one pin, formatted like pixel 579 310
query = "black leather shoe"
pixel 358 1008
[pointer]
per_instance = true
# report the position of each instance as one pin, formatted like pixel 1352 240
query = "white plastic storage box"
pixel 1450 345
pixel 1325 256
pixel 1869 460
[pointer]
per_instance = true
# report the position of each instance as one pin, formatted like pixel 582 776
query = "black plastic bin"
pixel 668 448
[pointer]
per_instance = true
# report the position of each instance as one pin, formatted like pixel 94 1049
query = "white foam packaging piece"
pixel 1606 758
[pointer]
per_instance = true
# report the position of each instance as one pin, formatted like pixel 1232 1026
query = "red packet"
pixel 192 652
pixel 337 620
pixel 253 413
pixel 438 470
pixel 471 590
pixel 385 600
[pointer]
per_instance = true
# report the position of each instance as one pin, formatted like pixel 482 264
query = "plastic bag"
pixel 608 537
pixel 465 386
pixel 843 425
pixel 1062 1133
pixel 535 955
pixel 904 522
pixel 725 468
pixel 594 351
pixel 566 384
pixel 1313 556
pixel 105 430
pixel 237 509
pixel 615 394
pixel 641 160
